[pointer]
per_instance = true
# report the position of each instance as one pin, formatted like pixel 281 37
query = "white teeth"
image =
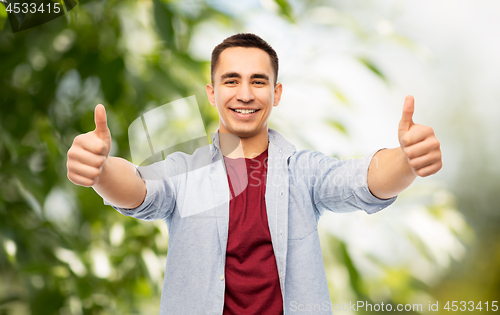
pixel 245 111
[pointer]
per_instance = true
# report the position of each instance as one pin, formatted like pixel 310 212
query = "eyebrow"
pixel 260 76
pixel 230 75
pixel 237 75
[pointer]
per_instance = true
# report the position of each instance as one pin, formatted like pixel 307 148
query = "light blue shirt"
pixel 191 194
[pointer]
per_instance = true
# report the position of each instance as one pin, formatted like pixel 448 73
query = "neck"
pixel 234 147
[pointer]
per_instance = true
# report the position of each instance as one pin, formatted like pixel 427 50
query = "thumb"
pixel 407 119
pixel 101 125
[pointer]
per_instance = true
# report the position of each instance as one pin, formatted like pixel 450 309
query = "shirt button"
pixel 280 150
pixel 221 277
pixel 281 232
pixel 281 193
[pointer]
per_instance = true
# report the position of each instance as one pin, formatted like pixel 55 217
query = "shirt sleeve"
pixel 342 185
pixel 160 194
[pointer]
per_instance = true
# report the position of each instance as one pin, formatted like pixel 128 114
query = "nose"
pixel 245 93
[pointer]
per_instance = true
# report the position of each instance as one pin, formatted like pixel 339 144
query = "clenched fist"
pixel 89 152
pixel 419 143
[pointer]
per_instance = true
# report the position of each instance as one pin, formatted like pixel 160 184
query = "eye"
pixel 260 82
pixel 230 82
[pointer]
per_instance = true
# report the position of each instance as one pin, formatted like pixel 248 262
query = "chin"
pixel 244 132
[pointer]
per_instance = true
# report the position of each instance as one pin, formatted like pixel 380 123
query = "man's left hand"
pixel 419 143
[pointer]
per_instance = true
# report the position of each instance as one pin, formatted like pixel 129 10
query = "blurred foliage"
pixel 397 256
pixel 61 250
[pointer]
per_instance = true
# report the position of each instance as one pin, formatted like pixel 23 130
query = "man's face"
pixel 243 91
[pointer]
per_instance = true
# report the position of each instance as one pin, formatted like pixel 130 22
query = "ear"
pixel 211 94
pixel 278 89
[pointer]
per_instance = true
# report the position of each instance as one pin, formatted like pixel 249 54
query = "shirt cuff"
pixel 368 202
pixel 150 188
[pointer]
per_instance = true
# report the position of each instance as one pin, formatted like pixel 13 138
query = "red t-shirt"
pixel 252 282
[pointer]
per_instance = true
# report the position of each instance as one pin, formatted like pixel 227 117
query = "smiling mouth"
pixel 244 111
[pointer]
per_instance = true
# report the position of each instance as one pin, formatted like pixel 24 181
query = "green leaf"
pixel 16 19
pixel 354 276
pixel 286 9
pixel 338 94
pixel 164 22
pixel 338 126
pixel 3 15
pixel 373 68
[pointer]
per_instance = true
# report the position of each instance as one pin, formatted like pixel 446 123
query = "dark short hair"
pixel 247 40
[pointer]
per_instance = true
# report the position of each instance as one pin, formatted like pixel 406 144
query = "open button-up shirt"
pixel 191 194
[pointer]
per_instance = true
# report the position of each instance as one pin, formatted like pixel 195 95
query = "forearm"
pixel 389 173
pixel 119 184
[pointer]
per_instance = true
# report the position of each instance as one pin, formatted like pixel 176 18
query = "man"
pixel 242 213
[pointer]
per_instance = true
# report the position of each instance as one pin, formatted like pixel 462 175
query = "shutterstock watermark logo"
pixel 25 14
pixel 174 127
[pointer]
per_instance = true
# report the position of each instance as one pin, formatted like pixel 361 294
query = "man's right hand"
pixel 89 152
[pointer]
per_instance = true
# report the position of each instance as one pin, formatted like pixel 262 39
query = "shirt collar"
pixel 274 137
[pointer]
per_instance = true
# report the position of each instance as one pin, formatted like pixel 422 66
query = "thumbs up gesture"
pixel 89 152
pixel 419 143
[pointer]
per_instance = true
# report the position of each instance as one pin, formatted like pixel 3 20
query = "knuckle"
pixel 99 163
pixel 408 153
pixel 100 146
pixel 74 179
pixel 69 165
pixel 413 164
pixel 425 129
pixel 95 173
pixel 406 139
pixel 72 153
pixel 78 139
pixel 435 143
pixel 440 165
pixel 421 173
